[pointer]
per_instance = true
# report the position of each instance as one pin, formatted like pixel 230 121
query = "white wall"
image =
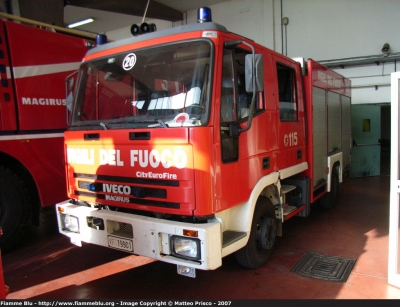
pixel 341 28
pixel 318 29
pixel 325 30
pixel 249 18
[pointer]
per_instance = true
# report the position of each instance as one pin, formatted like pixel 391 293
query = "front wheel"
pixel 262 236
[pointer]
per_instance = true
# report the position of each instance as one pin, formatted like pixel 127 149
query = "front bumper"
pixel 139 235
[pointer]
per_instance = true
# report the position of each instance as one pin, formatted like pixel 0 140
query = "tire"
pixel 331 199
pixel 262 237
pixel 15 211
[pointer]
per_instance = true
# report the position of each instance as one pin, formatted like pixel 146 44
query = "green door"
pixel 366 131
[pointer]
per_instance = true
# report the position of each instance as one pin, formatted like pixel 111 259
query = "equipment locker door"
pixel 7 102
pixel 366 131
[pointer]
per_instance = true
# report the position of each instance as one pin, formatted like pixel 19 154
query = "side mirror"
pixel 258 72
pixel 254 75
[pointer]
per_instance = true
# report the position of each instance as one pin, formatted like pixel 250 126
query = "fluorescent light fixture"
pixel 80 23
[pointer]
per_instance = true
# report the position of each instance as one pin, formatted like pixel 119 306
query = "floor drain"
pixel 324 267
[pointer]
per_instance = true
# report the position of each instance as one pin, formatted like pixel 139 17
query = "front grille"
pixel 120 229
pixel 102 188
pixel 126 199
pixel 137 191
pixel 158 182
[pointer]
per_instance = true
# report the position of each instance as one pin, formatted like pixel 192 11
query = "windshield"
pixel 165 86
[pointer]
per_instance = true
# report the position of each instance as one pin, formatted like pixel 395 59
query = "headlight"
pixel 187 248
pixel 70 222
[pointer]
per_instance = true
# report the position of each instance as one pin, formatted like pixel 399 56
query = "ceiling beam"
pixel 136 8
pixel 40 11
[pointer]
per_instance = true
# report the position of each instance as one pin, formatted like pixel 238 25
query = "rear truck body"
pixel 189 144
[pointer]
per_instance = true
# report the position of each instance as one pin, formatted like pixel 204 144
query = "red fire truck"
pixel 34 63
pixel 193 143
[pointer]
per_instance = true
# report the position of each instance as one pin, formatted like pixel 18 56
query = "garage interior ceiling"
pixel 113 15
pixel 108 15
pixel 155 9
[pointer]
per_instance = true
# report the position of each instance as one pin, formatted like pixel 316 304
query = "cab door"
pixel 238 164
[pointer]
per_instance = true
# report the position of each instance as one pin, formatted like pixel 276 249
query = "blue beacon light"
pixel 204 15
pixel 94 187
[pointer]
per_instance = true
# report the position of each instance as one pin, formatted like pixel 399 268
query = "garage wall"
pixel 341 28
pixel 326 30
pixel 318 29
pixel 251 18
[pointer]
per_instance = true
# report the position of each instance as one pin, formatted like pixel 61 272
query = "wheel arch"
pixel 334 161
pixel 239 218
pixel 266 186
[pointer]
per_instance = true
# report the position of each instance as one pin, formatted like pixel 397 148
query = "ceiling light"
pixel 80 23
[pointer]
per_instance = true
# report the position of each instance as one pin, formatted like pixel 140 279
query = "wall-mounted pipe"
pixel 362 60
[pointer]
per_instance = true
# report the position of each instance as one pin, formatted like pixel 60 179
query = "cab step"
pixel 289 209
pixel 286 188
pixel 229 237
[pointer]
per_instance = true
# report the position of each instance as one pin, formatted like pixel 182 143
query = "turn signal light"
pixel 191 233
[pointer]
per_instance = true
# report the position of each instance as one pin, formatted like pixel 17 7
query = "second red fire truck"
pixel 193 143
pixel 34 63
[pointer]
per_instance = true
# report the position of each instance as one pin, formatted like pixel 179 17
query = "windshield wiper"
pixel 103 125
pixel 161 123
pixel 133 121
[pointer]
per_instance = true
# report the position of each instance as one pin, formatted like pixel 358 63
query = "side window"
pixel 227 89
pixel 229 145
pixel 287 92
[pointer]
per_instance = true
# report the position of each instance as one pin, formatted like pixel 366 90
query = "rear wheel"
pixel 15 210
pixel 262 236
pixel 331 199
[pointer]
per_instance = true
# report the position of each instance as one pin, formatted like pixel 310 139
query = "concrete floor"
pixel 51 268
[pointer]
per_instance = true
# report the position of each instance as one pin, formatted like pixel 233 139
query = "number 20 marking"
pixel 290 139
pixel 129 61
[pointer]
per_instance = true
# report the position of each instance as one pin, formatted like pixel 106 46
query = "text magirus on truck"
pixel 189 144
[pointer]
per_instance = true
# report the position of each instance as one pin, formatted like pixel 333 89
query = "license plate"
pixel 120 243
